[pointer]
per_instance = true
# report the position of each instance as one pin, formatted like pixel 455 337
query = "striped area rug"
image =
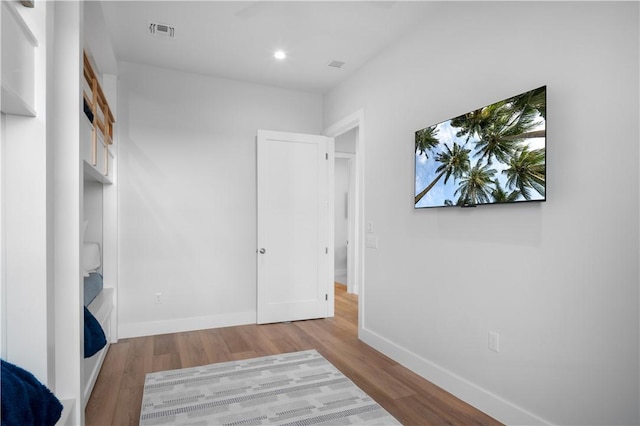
pixel 299 388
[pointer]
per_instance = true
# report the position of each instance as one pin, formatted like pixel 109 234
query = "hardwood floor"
pixel 117 395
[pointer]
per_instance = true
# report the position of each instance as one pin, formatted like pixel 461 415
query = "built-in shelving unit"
pixel 46 157
pixel 98 155
pixel 97 129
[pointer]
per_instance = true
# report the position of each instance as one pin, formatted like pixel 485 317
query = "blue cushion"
pixel 92 287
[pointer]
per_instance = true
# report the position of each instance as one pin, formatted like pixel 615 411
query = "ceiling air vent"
pixel 336 64
pixel 161 30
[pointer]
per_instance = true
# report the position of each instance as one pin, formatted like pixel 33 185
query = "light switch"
pixel 372 241
pixel 370 227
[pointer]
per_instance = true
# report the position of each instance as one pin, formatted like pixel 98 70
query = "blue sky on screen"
pixel 425 168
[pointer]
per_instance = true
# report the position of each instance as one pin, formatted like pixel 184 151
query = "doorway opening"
pixel 349 149
pixel 344 201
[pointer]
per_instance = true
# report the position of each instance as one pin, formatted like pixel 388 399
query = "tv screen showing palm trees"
pixel 495 154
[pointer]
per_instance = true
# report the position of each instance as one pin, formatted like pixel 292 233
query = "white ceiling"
pixel 236 39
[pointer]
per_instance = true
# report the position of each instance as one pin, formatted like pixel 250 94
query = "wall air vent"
pixel 161 30
pixel 336 64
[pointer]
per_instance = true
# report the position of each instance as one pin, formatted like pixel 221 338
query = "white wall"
pixel 557 280
pixel 346 142
pixel 187 190
pixel 93 210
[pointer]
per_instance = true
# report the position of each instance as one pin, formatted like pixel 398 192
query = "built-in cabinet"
pixel 96 127
pixel 59 157
pixel 97 152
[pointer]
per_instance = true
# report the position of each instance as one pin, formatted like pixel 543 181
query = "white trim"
pixel 352 121
pixel 3 234
pixel 110 208
pixel 347 155
pixel 491 404
pixel 150 328
pixel 330 229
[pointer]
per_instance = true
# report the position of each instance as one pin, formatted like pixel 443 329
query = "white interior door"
pixel 295 226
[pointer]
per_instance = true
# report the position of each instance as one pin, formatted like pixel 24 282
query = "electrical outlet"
pixel 494 341
pixel 158 298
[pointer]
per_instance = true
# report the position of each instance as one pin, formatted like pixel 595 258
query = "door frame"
pixel 350 122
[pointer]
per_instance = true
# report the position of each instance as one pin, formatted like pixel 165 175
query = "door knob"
pixel 262 251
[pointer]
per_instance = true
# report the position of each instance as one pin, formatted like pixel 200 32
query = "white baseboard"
pixel 150 328
pixel 340 275
pixel 485 401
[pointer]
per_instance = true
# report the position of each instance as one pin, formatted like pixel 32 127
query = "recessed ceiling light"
pixel 279 54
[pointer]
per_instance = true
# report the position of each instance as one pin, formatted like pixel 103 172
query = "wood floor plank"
pixel 369 364
pixel 428 394
pixel 411 411
pixel 237 356
pixel 191 349
pixel 281 337
pixel 139 362
pixel 234 340
pixel 263 346
pixel 131 398
pixel 117 396
pixel 102 404
pixel 165 344
pixel 165 362
pixel 214 346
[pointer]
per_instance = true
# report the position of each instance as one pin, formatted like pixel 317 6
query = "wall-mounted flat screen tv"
pixel 494 154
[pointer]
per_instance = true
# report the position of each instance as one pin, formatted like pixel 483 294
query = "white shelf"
pixel 97 157
pixel 12 103
pixel 102 305
pixel 91 173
